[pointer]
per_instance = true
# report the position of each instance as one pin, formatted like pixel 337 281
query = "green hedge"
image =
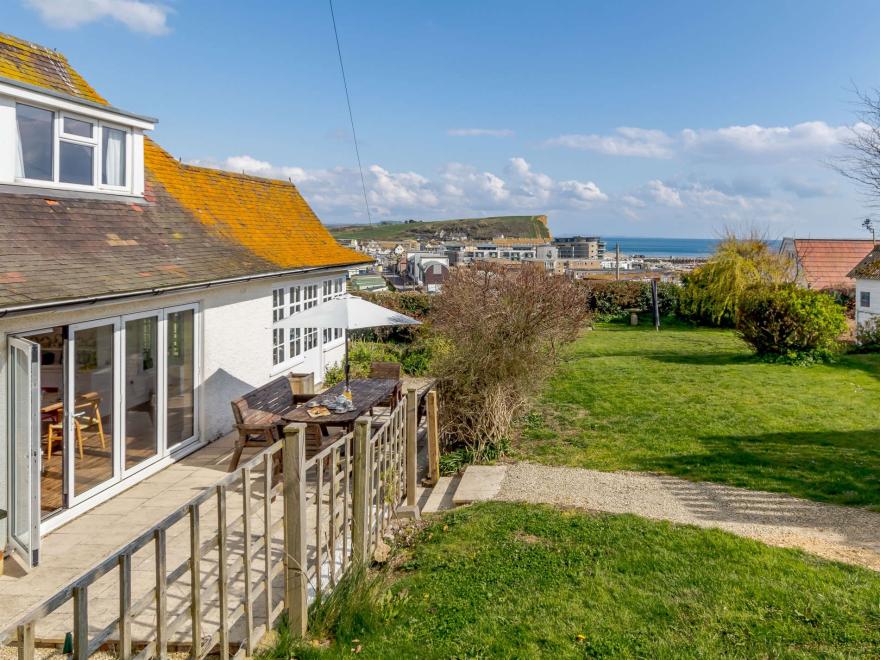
pixel 609 299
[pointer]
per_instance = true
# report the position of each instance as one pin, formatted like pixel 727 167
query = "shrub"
pixel 609 299
pixel 868 335
pixel 711 293
pixel 790 323
pixel 360 355
pixel 845 297
pixel 501 330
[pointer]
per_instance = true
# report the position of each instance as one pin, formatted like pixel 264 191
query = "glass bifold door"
pixel 92 403
pixel 130 397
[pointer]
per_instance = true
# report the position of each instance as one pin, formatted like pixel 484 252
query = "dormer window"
pixel 76 151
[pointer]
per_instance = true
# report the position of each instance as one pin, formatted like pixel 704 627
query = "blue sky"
pixel 625 118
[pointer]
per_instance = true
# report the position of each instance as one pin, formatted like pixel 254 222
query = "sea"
pixel 664 247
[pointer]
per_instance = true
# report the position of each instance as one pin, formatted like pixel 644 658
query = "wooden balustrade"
pixel 337 505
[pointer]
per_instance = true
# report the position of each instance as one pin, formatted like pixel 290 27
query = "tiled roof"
pixel 37 65
pixel 196 225
pixel 57 248
pixel 268 217
pixel 826 263
pixel 869 267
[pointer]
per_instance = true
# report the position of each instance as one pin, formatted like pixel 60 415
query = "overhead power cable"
pixel 357 150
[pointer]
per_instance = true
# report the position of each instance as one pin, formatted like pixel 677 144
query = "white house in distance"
pixel 138 296
pixel 867 277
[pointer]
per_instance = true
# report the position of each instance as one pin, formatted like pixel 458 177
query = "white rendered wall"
pixel 863 314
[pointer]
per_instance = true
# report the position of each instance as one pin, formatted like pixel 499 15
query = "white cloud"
pixel 136 15
pixel 457 188
pixel 480 132
pixel 663 194
pixel 810 139
pixel 701 202
pixel 627 141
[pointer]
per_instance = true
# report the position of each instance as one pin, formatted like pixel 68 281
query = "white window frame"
pixel 129 158
pixel 310 339
pixel 161 396
pixel 295 339
pixel 95 142
pixel 865 299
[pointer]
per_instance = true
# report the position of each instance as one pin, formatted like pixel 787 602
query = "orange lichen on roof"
pixel 268 217
pixel 37 65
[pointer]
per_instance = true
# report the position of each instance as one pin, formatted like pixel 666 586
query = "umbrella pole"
pixel 347 366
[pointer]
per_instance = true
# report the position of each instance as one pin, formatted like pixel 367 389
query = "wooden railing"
pixel 335 508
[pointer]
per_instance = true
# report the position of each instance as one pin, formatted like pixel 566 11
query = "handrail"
pixel 337 505
pixel 98 571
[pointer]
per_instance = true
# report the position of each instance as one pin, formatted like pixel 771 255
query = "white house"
pixel 867 277
pixel 138 296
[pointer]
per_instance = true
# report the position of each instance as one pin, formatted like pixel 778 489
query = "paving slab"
pixel 479 483
pixel 439 498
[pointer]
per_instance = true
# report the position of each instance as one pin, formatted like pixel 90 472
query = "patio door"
pixel 91 434
pixel 24 445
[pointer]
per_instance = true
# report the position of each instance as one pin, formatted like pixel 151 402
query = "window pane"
pixel 35 135
pixel 77 127
pixel 113 147
pixel 93 403
pixel 141 390
pixel 77 162
pixel 181 376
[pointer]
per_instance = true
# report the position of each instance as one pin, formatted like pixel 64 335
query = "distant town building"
pixel 369 282
pixel 580 247
pixel 427 269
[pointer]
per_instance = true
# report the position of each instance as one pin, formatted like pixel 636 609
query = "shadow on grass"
pixel 841 467
pixel 704 359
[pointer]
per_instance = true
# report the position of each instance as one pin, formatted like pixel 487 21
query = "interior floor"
pixel 96 465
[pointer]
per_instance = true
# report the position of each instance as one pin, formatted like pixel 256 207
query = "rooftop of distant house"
pixel 825 263
pixel 869 267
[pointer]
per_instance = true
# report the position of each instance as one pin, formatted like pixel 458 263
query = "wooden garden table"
pixel 365 394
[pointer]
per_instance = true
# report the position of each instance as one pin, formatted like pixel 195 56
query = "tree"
pixel 861 163
pixel 712 292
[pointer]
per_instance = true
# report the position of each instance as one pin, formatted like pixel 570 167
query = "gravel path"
pixel 834 532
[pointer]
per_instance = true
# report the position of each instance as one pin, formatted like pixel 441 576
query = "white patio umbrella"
pixel 350 313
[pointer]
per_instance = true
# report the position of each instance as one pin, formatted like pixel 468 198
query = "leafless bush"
pixel 502 329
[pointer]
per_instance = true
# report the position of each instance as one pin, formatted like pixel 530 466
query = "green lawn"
pixel 519 581
pixel 694 402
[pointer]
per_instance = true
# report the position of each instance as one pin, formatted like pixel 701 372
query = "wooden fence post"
pixel 433 439
pixel 195 571
pixel 80 623
pixel 412 425
pixel 161 594
pixel 26 642
pixel 295 582
pixel 360 496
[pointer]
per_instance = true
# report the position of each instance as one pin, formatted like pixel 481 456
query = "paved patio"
pixel 77 546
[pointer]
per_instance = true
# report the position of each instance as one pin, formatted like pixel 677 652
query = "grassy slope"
pixel 521 226
pixel 694 402
pixel 516 581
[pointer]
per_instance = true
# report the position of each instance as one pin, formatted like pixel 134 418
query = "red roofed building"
pixel 825 263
